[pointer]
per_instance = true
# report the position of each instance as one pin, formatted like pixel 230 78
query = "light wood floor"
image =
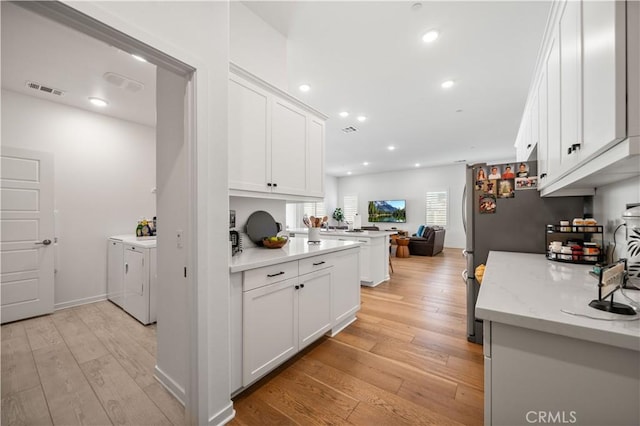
pixel 90 365
pixel 405 361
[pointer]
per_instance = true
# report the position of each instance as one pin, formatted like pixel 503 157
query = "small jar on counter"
pixel 578 224
pixel 564 226
pixel 590 225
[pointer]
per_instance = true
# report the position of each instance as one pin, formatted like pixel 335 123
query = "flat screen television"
pixel 392 211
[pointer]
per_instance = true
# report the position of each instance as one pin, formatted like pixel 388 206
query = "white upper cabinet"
pixel 587 105
pixel 604 76
pixel 276 142
pixel 249 145
pixel 570 80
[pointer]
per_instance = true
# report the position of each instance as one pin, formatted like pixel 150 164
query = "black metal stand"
pixel 613 307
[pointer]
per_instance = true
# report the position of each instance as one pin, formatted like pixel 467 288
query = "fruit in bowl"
pixel 275 241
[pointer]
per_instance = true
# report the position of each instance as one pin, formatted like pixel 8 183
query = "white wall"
pixel 331 196
pixel 412 186
pixel 609 204
pixel 257 47
pixel 196 33
pixel 172 296
pixel 104 172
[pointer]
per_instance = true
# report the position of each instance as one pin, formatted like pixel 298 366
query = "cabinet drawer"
pixel 315 263
pixel 259 277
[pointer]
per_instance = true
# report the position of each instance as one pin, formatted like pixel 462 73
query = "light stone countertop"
pixel 296 248
pixel 527 290
pixel 131 239
pixel 344 233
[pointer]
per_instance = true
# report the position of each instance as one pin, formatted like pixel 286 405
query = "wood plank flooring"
pixel 405 361
pixel 89 365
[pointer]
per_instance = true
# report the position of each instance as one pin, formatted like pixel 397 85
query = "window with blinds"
pixel 350 207
pixel 314 209
pixel 437 208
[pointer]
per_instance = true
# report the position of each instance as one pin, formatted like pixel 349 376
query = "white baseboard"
pixel 169 384
pixel 342 326
pixel 223 416
pixel 78 302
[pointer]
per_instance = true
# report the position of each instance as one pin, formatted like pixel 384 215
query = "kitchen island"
pixel 284 299
pixel 546 356
pixel 374 251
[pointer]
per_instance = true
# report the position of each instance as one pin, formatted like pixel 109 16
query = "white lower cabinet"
pixel 272 321
pixel 270 327
pixel 345 289
pixel 314 306
pixel 139 283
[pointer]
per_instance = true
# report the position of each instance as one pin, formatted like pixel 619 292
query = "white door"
pixel 26 249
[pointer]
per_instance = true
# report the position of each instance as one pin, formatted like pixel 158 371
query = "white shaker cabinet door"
pixel 249 133
pixel 314 306
pixel 315 168
pixel 346 285
pixel 136 283
pixel 570 81
pixel 553 109
pixel 270 328
pixel 288 149
pixel 604 74
pixel 543 137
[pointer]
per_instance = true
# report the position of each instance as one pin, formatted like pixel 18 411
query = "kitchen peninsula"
pixel 545 351
pixel 284 299
pixel 374 252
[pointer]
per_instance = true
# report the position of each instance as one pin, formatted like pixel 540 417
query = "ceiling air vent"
pixel 39 87
pixel 349 129
pixel 123 82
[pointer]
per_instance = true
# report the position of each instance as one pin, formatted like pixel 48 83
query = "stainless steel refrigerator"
pixel 506 213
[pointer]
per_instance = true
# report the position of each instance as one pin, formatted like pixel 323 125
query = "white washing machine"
pixel 131 281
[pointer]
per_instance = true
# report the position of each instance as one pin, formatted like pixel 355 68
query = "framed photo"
pixel 494 173
pixel 507 172
pixel 487 204
pixel 526 183
pixel 523 170
pixel 506 188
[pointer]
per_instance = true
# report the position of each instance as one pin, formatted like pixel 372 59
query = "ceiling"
pixel 361 57
pixel 368 58
pixel 40 50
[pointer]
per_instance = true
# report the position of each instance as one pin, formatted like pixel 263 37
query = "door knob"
pixel 44 242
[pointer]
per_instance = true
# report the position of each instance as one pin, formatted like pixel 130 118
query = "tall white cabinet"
pixel 276 142
pixel 583 103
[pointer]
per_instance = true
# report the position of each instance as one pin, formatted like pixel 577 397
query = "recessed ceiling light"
pixel 348 173
pixel 138 57
pixel 417 164
pixel 458 110
pixel 362 118
pixel 447 84
pixel 430 36
pixel 391 147
pixel 98 102
pixel 344 114
pixel 304 87
pixel 366 163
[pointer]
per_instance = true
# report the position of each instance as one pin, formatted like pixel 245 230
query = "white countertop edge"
pixel 344 245
pixel 573 331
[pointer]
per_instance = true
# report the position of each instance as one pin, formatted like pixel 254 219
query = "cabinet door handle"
pixel 573 148
pixel 126 268
pixel 528 146
pixel 297 287
pixel 319 263
pixel 543 175
pixel 268 183
pixel 275 184
pixel 275 275
pixel 301 285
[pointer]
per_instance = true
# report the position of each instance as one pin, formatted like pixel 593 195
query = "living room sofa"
pixel 430 244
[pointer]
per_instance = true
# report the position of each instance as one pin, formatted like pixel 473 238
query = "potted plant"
pixel 338 215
